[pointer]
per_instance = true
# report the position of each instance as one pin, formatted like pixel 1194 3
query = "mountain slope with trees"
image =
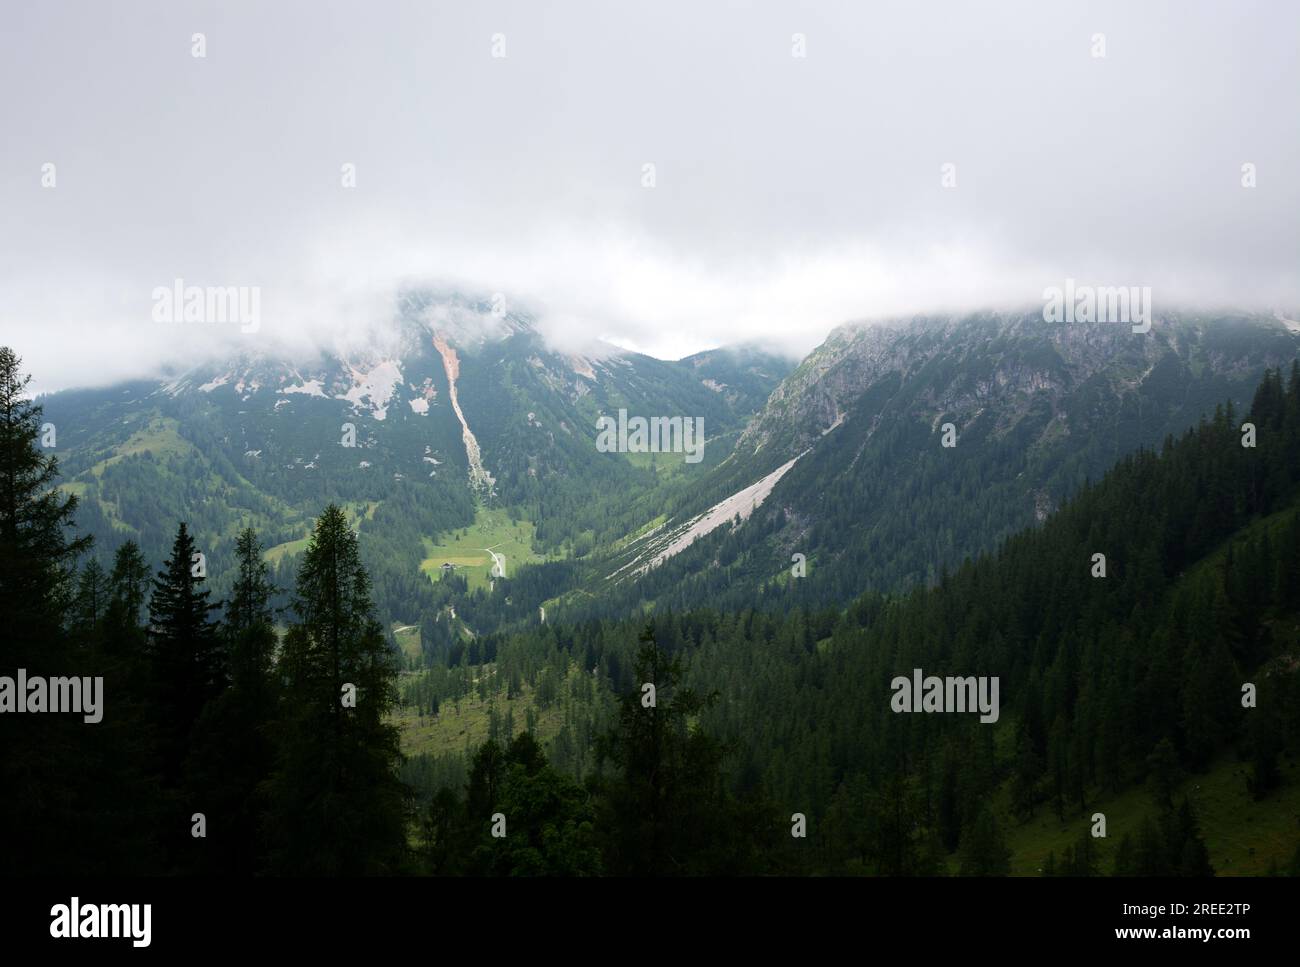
pixel 1129 681
pixel 1145 634
pixel 876 500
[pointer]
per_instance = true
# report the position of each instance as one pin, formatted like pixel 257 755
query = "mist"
pixel 813 163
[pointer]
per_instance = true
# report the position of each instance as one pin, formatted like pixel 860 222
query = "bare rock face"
pixel 875 499
pixel 959 368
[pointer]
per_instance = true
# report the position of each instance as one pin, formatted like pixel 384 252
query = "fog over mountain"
pixel 790 193
pixel 729 440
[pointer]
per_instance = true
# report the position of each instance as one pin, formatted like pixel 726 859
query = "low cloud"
pixel 790 194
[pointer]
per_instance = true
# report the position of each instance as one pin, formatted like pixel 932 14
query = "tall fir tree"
pixel 668 811
pixel 128 583
pixel 336 804
pixel 983 850
pixel 232 755
pixel 186 654
pixel 250 621
pixel 91 603
pixel 38 769
pixel 37 554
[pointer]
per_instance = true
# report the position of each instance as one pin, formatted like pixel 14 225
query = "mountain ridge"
pixel 1035 409
pixel 865 491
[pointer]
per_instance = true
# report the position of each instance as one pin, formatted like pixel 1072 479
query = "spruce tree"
pixel 125 637
pixel 983 850
pixel 1085 856
pixel 249 620
pixel 186 657
pixel 1150 859
pixel 668 812
pixel 336 805
pixel 36 552
pixel 232 756
pixel 128 580
pixel 91 601
pixel 1187 848
pixel 37 556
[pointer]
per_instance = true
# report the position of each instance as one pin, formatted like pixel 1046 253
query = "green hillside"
pixel 467 549
pixel 1121 691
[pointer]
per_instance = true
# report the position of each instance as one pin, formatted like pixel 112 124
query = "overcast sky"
pixel 791 193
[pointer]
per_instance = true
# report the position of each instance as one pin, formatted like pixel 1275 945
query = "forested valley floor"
pixel 240 737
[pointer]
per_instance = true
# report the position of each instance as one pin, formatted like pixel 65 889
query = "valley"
pixel 472 551
pixel 832 462
pixel 513 597
pixel 683 446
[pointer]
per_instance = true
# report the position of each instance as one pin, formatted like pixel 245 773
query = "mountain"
pixel 1142 636
pixel 743 374
pixel 455 412
pixel 845 464
pixel 474 456
pixel 1160 690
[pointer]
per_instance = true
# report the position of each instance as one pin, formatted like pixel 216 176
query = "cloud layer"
pixel 790 193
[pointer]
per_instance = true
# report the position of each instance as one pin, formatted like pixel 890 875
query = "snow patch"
pixel 377 386
pixel 310 387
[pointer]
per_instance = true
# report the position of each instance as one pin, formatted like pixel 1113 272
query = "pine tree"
pixel 36 554
pixel 1150 859
pixel 232 755
pixel 983 851
pixel 37 557
pixel 1187 845
pixel 336 804
pixel 128 581
pixel 1164 772
pixel 668 811
pixel 896 837
pixel 249 621
pixel 1084 856
pixel 1024 781
pixel 1264 730
pixel 125 635
pixel 441 829
pixel 91 601
pixel 186 655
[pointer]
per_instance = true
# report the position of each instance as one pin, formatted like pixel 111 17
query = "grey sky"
pixel 791 193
